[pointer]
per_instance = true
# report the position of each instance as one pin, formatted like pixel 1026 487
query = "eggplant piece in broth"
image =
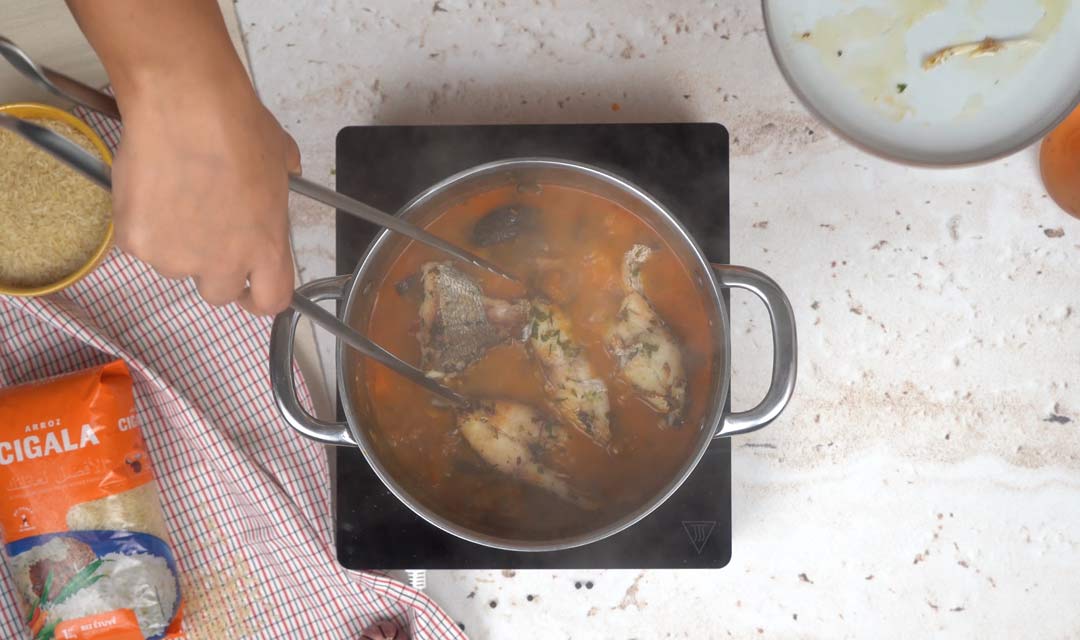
pixel 503 224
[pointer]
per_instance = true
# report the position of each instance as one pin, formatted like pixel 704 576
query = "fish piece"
pixel 517 440
pixel 503 224
pixel 458 324
pixel 648 355
pixel 580 397
pixel 986 47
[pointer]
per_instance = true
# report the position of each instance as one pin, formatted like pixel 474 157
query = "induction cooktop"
pixel 685 166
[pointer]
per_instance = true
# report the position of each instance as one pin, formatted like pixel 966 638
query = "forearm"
pixel 148 46
pixel 201 176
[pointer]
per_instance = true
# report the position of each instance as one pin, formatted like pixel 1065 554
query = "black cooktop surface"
pixel 685 166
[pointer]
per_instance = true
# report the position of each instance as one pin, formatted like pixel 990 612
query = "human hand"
pixel 200 190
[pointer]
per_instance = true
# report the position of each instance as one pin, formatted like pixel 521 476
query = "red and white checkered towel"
pixel 246 499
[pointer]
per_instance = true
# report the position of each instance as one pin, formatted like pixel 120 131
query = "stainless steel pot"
pixel 355 307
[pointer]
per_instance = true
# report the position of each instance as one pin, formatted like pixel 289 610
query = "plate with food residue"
pixel 931 82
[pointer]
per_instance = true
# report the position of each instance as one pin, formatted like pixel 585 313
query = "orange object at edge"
pixel 1059 162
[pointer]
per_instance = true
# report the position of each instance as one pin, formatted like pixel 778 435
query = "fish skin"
pixel 458 324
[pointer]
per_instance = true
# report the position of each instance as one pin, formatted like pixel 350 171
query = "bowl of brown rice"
pixel 55 225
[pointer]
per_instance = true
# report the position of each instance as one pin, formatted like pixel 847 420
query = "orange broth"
pixel 586 235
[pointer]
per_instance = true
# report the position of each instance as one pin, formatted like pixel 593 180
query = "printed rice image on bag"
pixel 80 515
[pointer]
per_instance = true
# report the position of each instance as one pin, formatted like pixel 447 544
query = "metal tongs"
pixel 101 174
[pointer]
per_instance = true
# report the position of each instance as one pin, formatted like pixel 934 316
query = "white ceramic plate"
pixel 858 65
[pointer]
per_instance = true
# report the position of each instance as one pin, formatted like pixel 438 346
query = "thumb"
pixel 292 155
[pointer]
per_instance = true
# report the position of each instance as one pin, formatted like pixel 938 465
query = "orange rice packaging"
pixel 82 527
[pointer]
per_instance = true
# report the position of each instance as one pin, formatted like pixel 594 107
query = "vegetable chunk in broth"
pixel 569 250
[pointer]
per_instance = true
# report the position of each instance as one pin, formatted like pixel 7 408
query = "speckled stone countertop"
pixel 926 477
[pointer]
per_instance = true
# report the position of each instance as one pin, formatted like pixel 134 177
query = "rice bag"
pixel 83 531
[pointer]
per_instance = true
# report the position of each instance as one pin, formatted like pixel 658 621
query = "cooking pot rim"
pixel 711 422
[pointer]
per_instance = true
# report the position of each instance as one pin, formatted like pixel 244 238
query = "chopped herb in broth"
pixel 608 357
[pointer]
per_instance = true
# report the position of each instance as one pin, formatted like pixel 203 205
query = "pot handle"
pixel 282 341
pixel 785 354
